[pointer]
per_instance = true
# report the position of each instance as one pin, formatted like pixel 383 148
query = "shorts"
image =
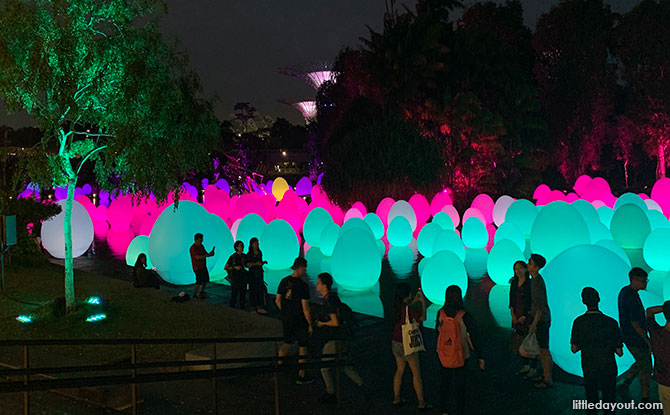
pixel 296 334
pixel 542 334
pixel 201 276
pixel 398 351
pixel 642 356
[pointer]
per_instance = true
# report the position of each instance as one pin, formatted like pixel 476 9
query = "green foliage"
pixel 28 211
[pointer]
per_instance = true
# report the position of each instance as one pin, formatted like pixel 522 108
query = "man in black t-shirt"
pixel 598 338
pixel 292 299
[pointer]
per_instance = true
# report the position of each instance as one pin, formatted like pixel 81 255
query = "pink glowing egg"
pixel 440 200
pixel 643 196
pixel 453 214
pixel 421 207
pixel 120 213
pixel 137 221
pixel 100 213
pixel 337 214
pixel 100 228
pixel 541 192
pixel 217 201
pixel 598 204
pixel 233 202
pixel 597 189
pixel 118 241
pixel 660 193
pixel 269 202
pixel 473 213
pixel 361 208
pixel 249 203
pixel 148 224
pixel 383 209
pixel 556 195
pixel 318 194
pixel 484 203
pixel 581 184
pixel 500 209
pixel 288 213
pixel 353 213
pixel 571 197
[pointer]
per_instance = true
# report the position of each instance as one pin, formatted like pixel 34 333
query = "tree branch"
pixel 87 156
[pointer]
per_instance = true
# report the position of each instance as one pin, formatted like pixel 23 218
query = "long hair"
pixel 251 244
pixel 525 267
pixel 402 291
pixel 139 263
pixel 453 301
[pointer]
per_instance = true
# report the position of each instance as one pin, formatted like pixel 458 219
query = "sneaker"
pixel 328 398
pixel 304 380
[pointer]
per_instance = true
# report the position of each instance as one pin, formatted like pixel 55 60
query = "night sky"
pixel 236 46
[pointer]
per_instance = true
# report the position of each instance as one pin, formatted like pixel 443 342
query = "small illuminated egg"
pixel 522 213
pixel 279 244
pixel 571 197
pixel 598 232
pixel 303 187
pixel 139 245
pixel 401 260
pixel 444 221
pixel 383 209
pixel 484 203
pixel 375 224
pixel 399 232
pixel 473 213
pixel 657 219
pixel 352 213
pixel 500 209
pixel 361 208
pixel 453 214
pixel 421 207
pixel 510 232
pixel 427 238
pixel 614 247
pixel 440 200
pixel 251 226
pixel 587 210
pixel 329 238
pixel 422 265
pixel 53 235
pixel 582 183
pixel 279 187
pixel 356 223
pixel 356 264
pixel 404 209
pixel 542 191
pixel 605 214
pixel 630 198
pixel 223 185
pixel 597 189
pixel 652 205
pixel 449 241
pixel 315 221
pixel 500 264
pixel 656 248
pixel 630 226
pixel 442 270
pixel 474 233
pixel 558 227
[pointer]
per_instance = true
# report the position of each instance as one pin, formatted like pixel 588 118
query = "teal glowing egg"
pixel 565 277
pixel 511 232
pixel 329 238
pixel 401 260
pixel 376 224
pixel 500 264
pixel 315 265
pixel 426 239
pixel 315 221
pixel 399 232
pixel 442 270
pixel 499 305
pixel 224 248
pixel 444 221
pixel 557 227
pixel 279 244
pixel 139 245
pixel 251 226
pixel 449 241
pixel 656 249
pixel 475 262
pixel 381 248
pixel 500 209
pixel 666 289
pixel 522 213
pixel 586 209
pixel 356 223
pixel 656 284
pixel 422 266
pixel 630 198
pixel 605 214
pixel 657 220
pixel 614 247
pixel 474 233
pixel 598 231
pixel 630 226
pixel 355 263
pixel 404 209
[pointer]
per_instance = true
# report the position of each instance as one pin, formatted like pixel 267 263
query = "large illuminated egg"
pixel 404 209
pixel 353 213
pixel 522 213
pixel 541 192
pixel 280 244
pixel 630 226
pixel 279 187
pixel 444 221
pixel 217 201
pixel 597 189
pixel 315 221
pixel 139 245
pixel 499 305
pixel 660 193
pixel 473 213
pixel 356 264
pixel 500 209
pixel 421 207
pixel 500 263
pixel 399 232
pixel 224 246
pixel 510 232
pixel 442 270
pixel 355 223
pixel 474 233
pixel 586 209
pixel 614 247
pixel 582 183
pixel 565 277
pixel 440 200
pixel 657 219
pixel 558 227
pixel 630 198
pixel 383 209
pixel 328 238
pixel 401 260
pixel 656 249
pixel 120 213
pixel 251 226
pixel 485 205
pixel 605 214
pixel 375 224
pixel 449 241
pixel 246 204
pixel 426 239
pixel 452 212
pixel 82 231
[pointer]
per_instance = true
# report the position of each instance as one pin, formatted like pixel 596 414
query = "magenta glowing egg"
pixel 137 221
pixel 303 187
pixel 148 224
pixel 421 207
pixel 449 241
pixel 485 204
pixel 375 223
pixel 444 221
pixel 361 207
pixel 118 241
pixel 453 215
pixel 217 201
pixel 318 195
pixel 597 189
pixel 571 197
pixel 337 214
pixel 288 213
pixel 500 209
pixel 249 203
pixel 100 213
pixel 440 200
pixel 120 213
pixel 100 229
pixel 404 209
pixel 660 193
pixel 473 213
pixel 353 213
pixel 383 209
pixel 581 184
pixel 269 202
pixel 643 196
pixel 542 191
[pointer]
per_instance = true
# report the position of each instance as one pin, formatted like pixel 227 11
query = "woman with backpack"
pixel 407 309
pixel 457 338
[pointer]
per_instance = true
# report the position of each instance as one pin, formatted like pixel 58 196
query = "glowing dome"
pixel 453 214
pixel 355 264
pixel 139 245
pixel 402 208
pixel 427 238
pixel 246 204
pixel 500 209
pixel 581 184
pixel 223 185
pixel 630 198
pixel 565 277
pixel 224 246
pixel 510 232
pixel 355 223
pixel 375 224
pixel 279 244
pixel 586 210
pixel 401 260
pixel 656 249
pixel 522 213
pixel 383 209
pixel 444 221
pixel 329 238
pixel 657 220
pixel 614 247
pixel 558 227
pixel 303 187
pixel 251 226
pixel 361 208
pixel 440 200
pixel 598 232
pixel 119 241
pixel 474 233
pixel 217 201
pixel 353 213
pixel 500 264
pixel 421 207
pixel 449 241
pixel 630 226
pixel 605 214
pixel 53 238
pixel 287 211
pixel 442 270
pixel 542 191
pixel 120 213
pixel 499 305
pixel 399 232
pixel 315 221
pixel 485 205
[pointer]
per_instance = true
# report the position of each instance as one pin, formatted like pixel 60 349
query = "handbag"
pixel 529 348
pixel 412 339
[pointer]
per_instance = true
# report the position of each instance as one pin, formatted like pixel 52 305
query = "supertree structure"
pixel 306 107
pixel 314 74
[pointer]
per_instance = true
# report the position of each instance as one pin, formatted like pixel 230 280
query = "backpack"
pixel 348 322
pixel 453 341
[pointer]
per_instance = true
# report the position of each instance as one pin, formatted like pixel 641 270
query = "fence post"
pixel 133 386
pixel 214 383
pixel 337 371
pixel 276 377
pixel 26 378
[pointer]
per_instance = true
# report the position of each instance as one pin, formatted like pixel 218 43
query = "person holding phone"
pixel 199 263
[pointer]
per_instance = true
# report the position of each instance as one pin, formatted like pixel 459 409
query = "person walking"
pixel 199 257
pixel 336 334
pixel 660 345
pixel 457 338
pixel 238 276
pixel 254 262
pixel 541 315
pixel 292 299
pixel 634 331
pixel 598 338
pixel 519 306
pixel 406 308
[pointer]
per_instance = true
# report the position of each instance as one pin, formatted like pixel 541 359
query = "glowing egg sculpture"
pixel 605 214
pixel 453 214
pixel 657 219
pixel 440 200
pixel 383 209
pixel 499 305
pixel 120 213
pixel 614 247
pixel 399 232
pixel 656 248
pixel 224 246
pixel 597 189
pixel 251 226
pixel 630 226
pixel 303 187
pixel 587 210
pixel 328 238
pixel 473 213
pixel 581 184
pixel 401 259
pixel 444 221
pixel 541 192
pixel 510 232
pixel 652 205
pixel 355 223
pixel 353 213
pixel 443 269
pixel 217 201
pixel 660 193
pixel 53 237
pixel 485 205
pixel 474 233
pixel 355 264
pixel 279 187
pixel 421 207
pixel 449 241
pixel 500 209
pixel 522 213
pixel 500 263
pixel 404 209
pixel 630 198
pixel 280 244
pixel 427 238
pixel 558 227
pixel 315 221
pixel 565 277
pixel 246 204
pixel 375 224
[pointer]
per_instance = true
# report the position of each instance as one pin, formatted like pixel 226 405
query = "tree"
pixel 103 86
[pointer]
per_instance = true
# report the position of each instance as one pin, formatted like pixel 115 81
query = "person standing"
pixel 634 331
pixel 458 336
pixel 292 299
pixel 660 345
pixel 254 262
pixel 519 306
pixel 541 315
pixel 598 337
pixel 238 277
pixel 337 340
pixel 199 263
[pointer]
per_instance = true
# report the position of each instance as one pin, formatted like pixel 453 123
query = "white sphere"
pixel 500 209
pixel 403 208
pixel 53 233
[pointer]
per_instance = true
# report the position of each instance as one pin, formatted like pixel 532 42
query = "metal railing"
pixel 271 364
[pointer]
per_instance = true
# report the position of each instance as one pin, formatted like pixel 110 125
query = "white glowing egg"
pixel 404 209
pixel 53 237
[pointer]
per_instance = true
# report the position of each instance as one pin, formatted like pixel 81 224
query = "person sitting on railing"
pixel 143 277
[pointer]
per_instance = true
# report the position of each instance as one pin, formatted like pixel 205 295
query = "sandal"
pixel 544 384
pixel 399 402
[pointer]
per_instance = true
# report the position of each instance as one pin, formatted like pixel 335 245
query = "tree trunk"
pixel 67 233
pixel 660 165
